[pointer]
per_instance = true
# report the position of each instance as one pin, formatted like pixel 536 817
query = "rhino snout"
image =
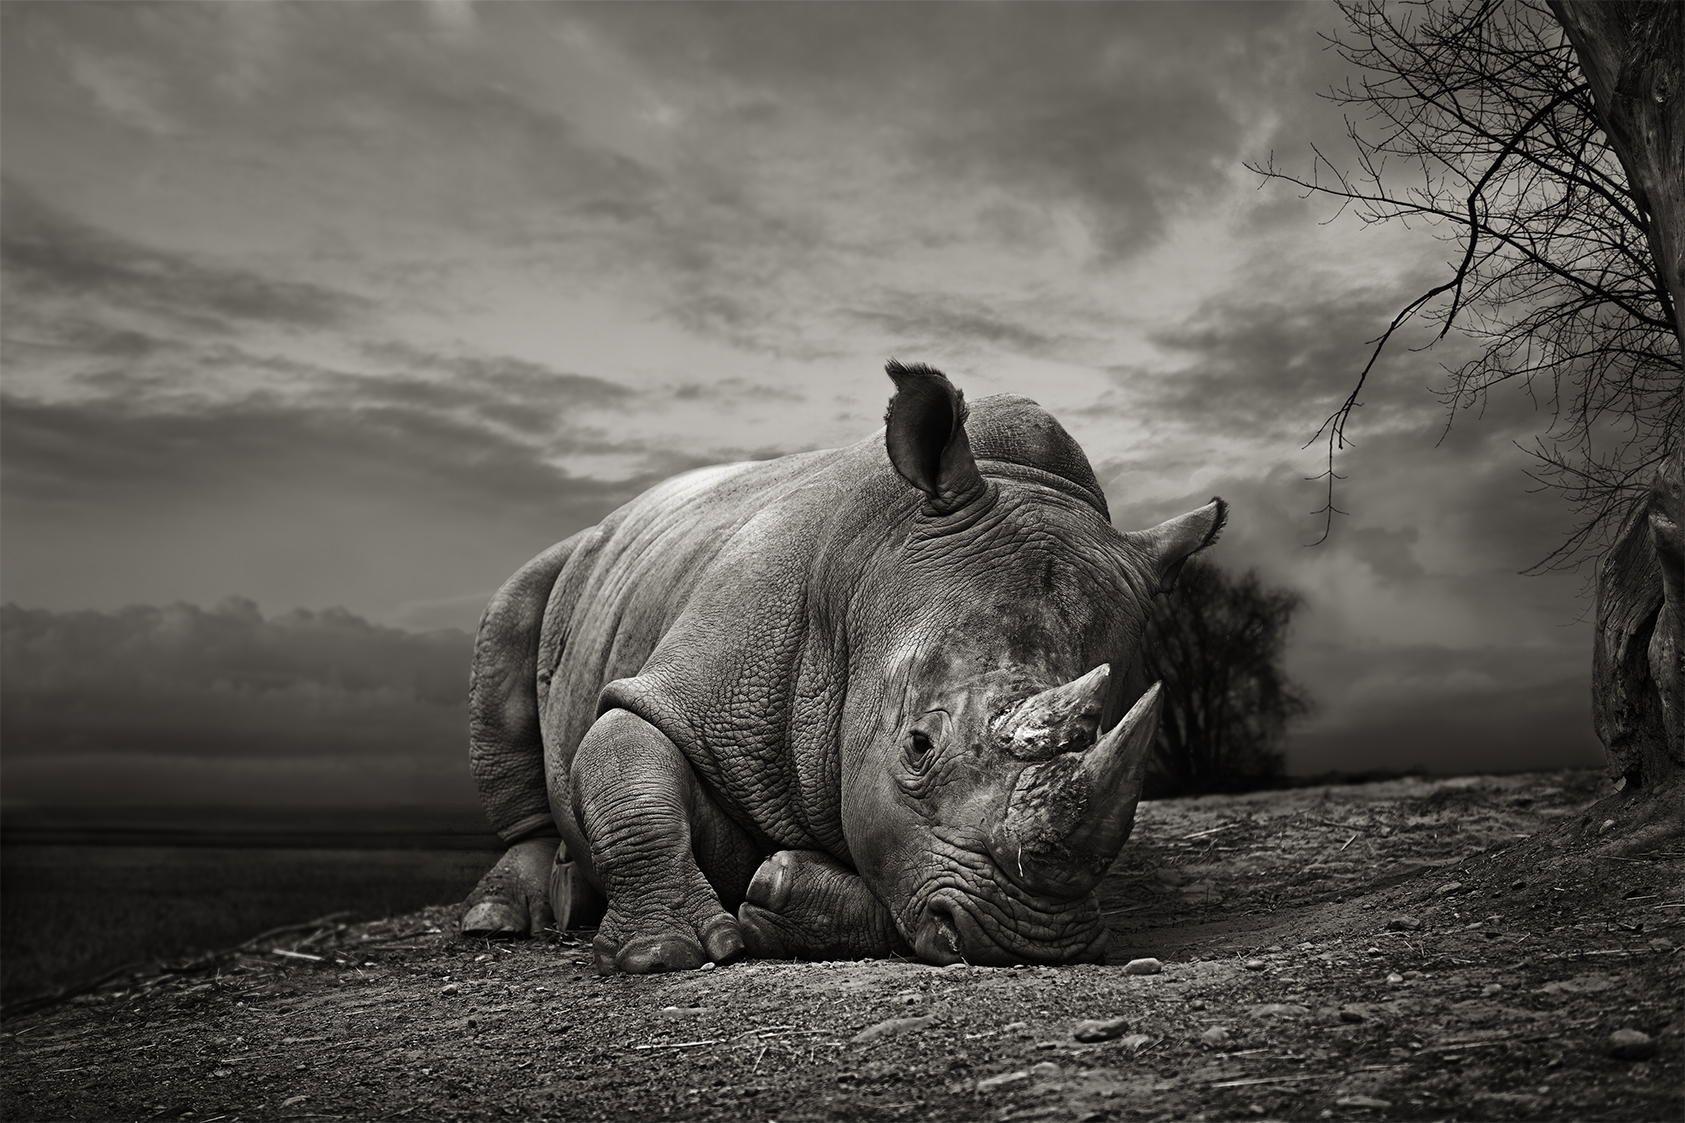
pixel 955 928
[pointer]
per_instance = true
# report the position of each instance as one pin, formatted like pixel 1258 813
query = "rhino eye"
pixel 919 749
pixel 924 739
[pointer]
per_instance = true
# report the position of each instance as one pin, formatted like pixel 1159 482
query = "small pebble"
pixel 1403 923
pixel 1217 1035
pixel 1004 1080
pixel 449 988
pixel 1608 825
pixel 1278 1010
pixel 676 1012
pixel 1254 965
pixel 1097 1029
pixel 1491 988
pixel 1395 978
pixel 1351 1015
pixel 1448 888
pixel 1631 1045
pixel 710 965
pixel 891 1026
pixel 1045 1069
pixel 1363 1101
pixel 1143 967
pixel 1373 951
pixel 1662 943
pixel 1015 1027
pixel 1134 1041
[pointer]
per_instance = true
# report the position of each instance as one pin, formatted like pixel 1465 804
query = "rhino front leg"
pixel 636 801
pixel 512 899
pixel 804 904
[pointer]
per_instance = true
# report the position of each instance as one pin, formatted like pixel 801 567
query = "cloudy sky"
pixel 321 319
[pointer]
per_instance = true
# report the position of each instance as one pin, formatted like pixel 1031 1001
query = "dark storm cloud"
pixel 388 504
pixel 531 398
pixel 915 321
pixel 48 253
pixel 518 381
pixel 1095 105
pixel 756 325
pixel 85 452
pixel 728 393
pixel 1273 359
pixel 80 336
pixel 203 705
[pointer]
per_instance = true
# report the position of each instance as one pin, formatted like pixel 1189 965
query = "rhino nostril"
pixel 947 931
pixel 938 937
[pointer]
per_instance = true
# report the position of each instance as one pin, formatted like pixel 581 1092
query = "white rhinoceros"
pixel 841 703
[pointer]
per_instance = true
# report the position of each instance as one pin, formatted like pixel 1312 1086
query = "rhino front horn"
pixel 1069 815
pixel 1111 774
pixel 1060 719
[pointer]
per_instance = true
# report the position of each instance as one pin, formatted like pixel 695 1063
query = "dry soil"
pixel 1408 950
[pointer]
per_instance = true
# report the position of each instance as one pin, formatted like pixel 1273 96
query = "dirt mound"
pixel 1389 951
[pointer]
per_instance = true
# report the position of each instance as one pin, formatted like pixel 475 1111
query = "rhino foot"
pixel 512 899
pixel 804 904
pixel 672 939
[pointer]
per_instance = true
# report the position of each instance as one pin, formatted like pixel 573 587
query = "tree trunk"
pixel 1636 675
pixel 1632 53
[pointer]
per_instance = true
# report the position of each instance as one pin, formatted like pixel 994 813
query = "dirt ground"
pixel 1390 951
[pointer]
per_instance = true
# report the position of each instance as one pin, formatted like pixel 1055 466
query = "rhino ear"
pixel 1172 542
pixel 925 434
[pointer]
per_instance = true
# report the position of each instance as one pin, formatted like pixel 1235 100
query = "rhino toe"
pixel 763 935
pixel 651 954
pixel 770 887
pixel 666 944
pixel 494 918
pixel 722 939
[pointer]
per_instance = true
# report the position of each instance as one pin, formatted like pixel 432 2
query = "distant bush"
pixel 1216 642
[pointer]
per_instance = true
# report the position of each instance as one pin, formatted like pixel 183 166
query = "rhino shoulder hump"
pixel 1012 429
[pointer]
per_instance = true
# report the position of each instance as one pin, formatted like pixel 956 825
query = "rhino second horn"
pixel 1060 719
pixel 1111 774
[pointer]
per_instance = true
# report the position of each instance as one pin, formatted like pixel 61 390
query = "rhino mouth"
pixel 973 912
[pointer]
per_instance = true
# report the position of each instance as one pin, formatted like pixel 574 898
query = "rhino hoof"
pixel 721 942
pixel 770 887
pixel 494 918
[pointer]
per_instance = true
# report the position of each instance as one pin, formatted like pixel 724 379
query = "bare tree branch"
pixel 1477 118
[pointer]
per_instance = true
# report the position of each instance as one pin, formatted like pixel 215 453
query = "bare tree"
pixel 1216 642
pixel 1546 144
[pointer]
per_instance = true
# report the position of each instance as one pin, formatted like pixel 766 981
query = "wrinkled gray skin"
pixel 844 703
